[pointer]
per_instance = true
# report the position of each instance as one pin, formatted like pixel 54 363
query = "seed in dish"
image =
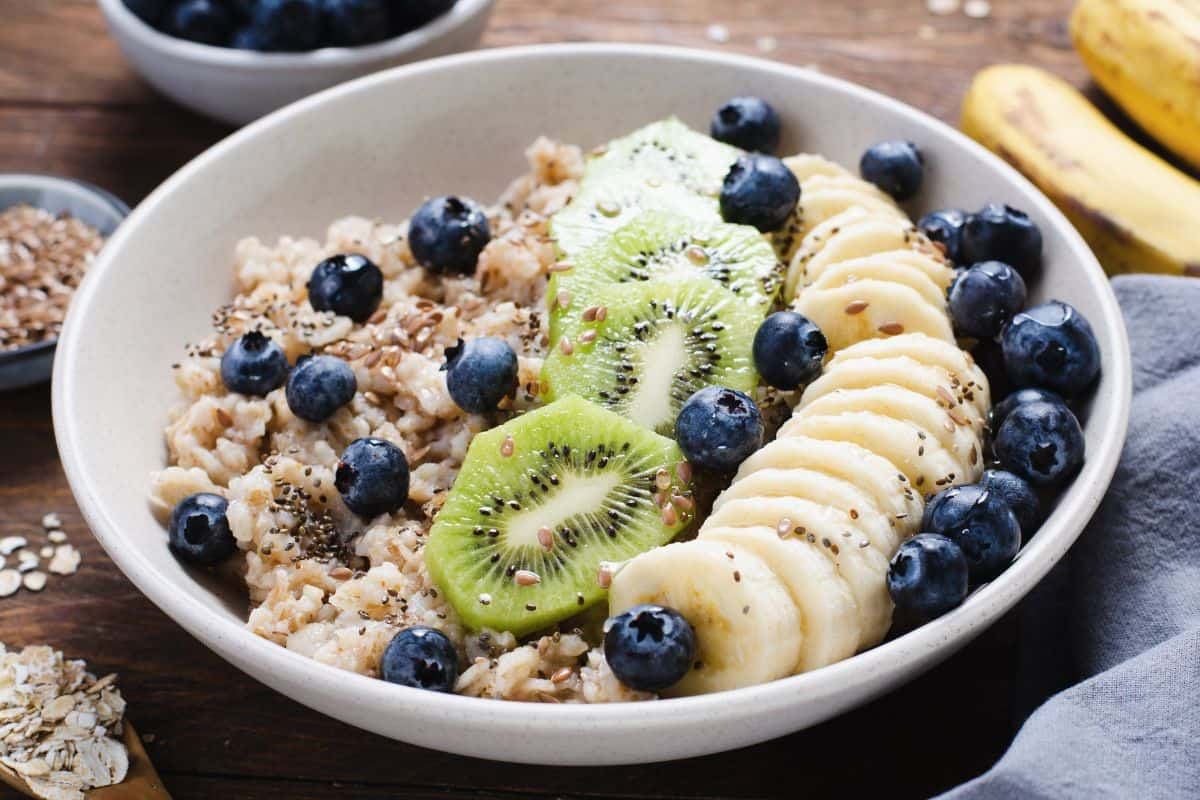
pixel 536 459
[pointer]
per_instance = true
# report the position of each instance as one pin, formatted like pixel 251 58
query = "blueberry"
pixel 199 532
pixel 979 522
pixel 289 24
pixel 759 190
pixel 1001 410
pixel 349 23
pixel 422 658
pixel 372 477
pixel 348 284
pixel 897 167
pixel 1040 442
pixel 319 386
pixel 254 365
pixel 945 227
pixel 789 350
pixel 480 373
pixel 447 234
pixel 148 11
pixel 248 37
pixel 407 15
pixel 747 122
pixel 1052 346
pixel 203 21
pixel 243 10
pixel 1002 233
pixel 718 428
pixel 649 647
pixel 928 576
pixel 984 298
pixel 988 354
pixel 1018 494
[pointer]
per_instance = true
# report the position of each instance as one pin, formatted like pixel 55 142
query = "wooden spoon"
pixel 141 782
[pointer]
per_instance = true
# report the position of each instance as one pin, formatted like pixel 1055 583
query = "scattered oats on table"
pixel 60 727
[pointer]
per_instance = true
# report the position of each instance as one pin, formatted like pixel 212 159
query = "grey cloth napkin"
pixel 1122 614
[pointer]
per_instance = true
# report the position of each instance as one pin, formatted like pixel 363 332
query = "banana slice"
pixel 870 308
pixel 924 462
pixel 958 363
pixel 828 613
pixel 858 233
pixel 964 405
pixel 875 476
pixel 837 536
pixel 962 442
pixel 809 165
pixel 818 487
pixel 823 197
pixel 880 267
pixel 748 629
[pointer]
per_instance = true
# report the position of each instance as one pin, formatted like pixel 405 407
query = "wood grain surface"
pixel 69 105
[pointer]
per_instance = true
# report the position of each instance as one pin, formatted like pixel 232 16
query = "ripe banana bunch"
pixel 1146 55
pixel 789 571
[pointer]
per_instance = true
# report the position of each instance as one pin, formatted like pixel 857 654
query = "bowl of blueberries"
pixel 237 60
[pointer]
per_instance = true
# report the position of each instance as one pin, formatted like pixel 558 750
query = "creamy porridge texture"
pixel 672 418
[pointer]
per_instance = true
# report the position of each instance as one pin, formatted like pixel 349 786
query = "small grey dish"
pixel 26 366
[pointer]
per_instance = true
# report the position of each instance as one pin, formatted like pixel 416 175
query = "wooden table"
pixel 69 105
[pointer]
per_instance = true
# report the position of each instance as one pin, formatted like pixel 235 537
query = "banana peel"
pixel 1138 213
pixel 1146 55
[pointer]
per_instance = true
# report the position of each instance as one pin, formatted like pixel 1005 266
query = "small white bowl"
pixel 238 86
pixel 459 125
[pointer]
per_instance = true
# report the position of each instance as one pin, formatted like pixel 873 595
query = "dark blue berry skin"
pixel 984 298
pixel 422 658
pixel 990 358
pixel 897 167
pixel 1052 346
pixel 1018 494
pixel 718 428
pixel 203 21
pixel 347 284
pixel 945 226
pixel 759 190
pixel 407 15
pixel 1002 233
pixel 1040 442
pixel 198 532
pixel 248 38
pixel 254 365
pixel 372 477
pixel 289 25
pixel 747 122
pixel 148 11
pixel 447 234
pixel 928 576
pixel 980 523
pixel 319 386
pixel 789 350
pixel 349 23
pixel 1001 410
pixel 480 373
pixel 649 647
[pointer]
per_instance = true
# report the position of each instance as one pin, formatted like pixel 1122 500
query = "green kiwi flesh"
pixel 541 503
pixel 642 349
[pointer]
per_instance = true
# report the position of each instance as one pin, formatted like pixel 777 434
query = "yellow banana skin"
pixel 1138 213
pixel 1146 55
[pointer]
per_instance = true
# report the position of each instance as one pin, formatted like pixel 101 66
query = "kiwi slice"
pixel 642 349
pixel 665 165
pixel 541 503
pixel 659 245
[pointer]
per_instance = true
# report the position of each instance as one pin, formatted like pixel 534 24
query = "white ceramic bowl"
pixel 459 125
pixel 236 86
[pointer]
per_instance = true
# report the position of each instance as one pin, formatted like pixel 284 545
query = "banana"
pixel 836 536
pixel 810 165
pixel 1136 211
pixel 1146 55
pixel 958 364
pixel 871 307
pixel 899 267
pixel 874 476
pixel 748 629
pixel 828 612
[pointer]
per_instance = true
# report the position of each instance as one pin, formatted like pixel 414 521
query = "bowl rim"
pixel 167 45
pixel 56 183
pixel 900 656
